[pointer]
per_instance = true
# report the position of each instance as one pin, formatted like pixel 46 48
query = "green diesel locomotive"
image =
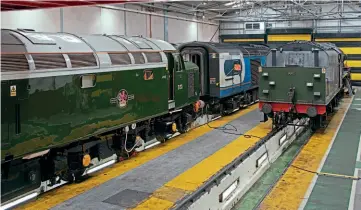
pixel 72 105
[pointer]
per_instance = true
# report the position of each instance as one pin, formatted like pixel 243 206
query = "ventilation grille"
pixel 154 57
pixel 190 85
pixel 82 60
pixel 138 58
pixel 254 71
pixel 49 61
pixel 14 63
pixel 120 58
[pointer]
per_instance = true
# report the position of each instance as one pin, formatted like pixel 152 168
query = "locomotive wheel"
pixel 160 138
pixel 184 128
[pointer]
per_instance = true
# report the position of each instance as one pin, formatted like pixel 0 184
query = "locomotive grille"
pixel 154 57
pixel 138 58
pixel 82 60
pixel 49 61
pixel 120 58
pixel 190 85
pixel 254 71
pixel 14 63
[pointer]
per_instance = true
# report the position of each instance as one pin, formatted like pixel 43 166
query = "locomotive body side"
pixel 228 73
pixel 72 105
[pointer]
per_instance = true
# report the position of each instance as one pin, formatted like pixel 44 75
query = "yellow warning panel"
pixel 356 76
pixel 353 63
pixel 288 37
pixel 13 90
pixel 351 50
pixel 243 40
pixel 337 39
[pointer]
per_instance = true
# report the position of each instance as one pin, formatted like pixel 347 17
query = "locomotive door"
pixel 198 56
pixel 171 76
pixel 6 103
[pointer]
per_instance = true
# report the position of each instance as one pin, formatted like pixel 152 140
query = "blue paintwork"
pixel 246 84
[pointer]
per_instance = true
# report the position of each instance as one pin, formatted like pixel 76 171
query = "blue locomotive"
pixel 228 72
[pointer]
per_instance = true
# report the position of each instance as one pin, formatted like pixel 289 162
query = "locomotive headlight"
pixel 312 111
pixel 267 108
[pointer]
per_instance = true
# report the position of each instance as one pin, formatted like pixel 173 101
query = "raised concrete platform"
pixel 325 173
pixel 133 182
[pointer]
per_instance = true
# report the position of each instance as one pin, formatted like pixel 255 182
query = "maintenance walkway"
pixel 325 173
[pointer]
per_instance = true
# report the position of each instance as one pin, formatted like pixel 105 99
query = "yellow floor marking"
pixel 57 196
pixel 289 191
pixel 194 177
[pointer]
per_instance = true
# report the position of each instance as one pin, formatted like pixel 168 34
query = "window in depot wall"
pixel 253 26
pixel 232 67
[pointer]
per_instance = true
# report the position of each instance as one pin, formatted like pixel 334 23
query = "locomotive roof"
pixel 254 49
pixel 37 42
pixel 24 50
pixel 213 47
pixel 309 45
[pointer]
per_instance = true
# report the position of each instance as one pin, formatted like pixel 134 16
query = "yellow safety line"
pixel 289 191
pixel 57 196
pixel 196 176
pixel 288 37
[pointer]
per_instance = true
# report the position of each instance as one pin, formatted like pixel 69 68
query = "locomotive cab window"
pixel 178 62
pixel 232 67
pixel 153 57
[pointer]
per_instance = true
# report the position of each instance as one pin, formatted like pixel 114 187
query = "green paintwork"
pixel 55 110
pixel 334 192
pixel 288 77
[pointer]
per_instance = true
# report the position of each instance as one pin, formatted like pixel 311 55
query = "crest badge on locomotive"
pixel 122 98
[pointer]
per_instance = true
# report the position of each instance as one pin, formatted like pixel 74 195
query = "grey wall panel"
pixel 39 20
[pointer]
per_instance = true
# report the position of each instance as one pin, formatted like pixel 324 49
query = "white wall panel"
pixel 112 21
pixel 206 31
pixel 181 31
pixel 82 20
pixel 157 27
pixel 89 20
pixel 45 20
pixel 136 24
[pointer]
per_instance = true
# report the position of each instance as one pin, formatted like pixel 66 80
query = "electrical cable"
pixel 224 128
pixel 343 176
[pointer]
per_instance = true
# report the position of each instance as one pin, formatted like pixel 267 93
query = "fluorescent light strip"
pixel 97 168
pixel 229 3
pixel 283 140
pixel 152 145
pixel 261 160
pixel 20 200
pixel 226 194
